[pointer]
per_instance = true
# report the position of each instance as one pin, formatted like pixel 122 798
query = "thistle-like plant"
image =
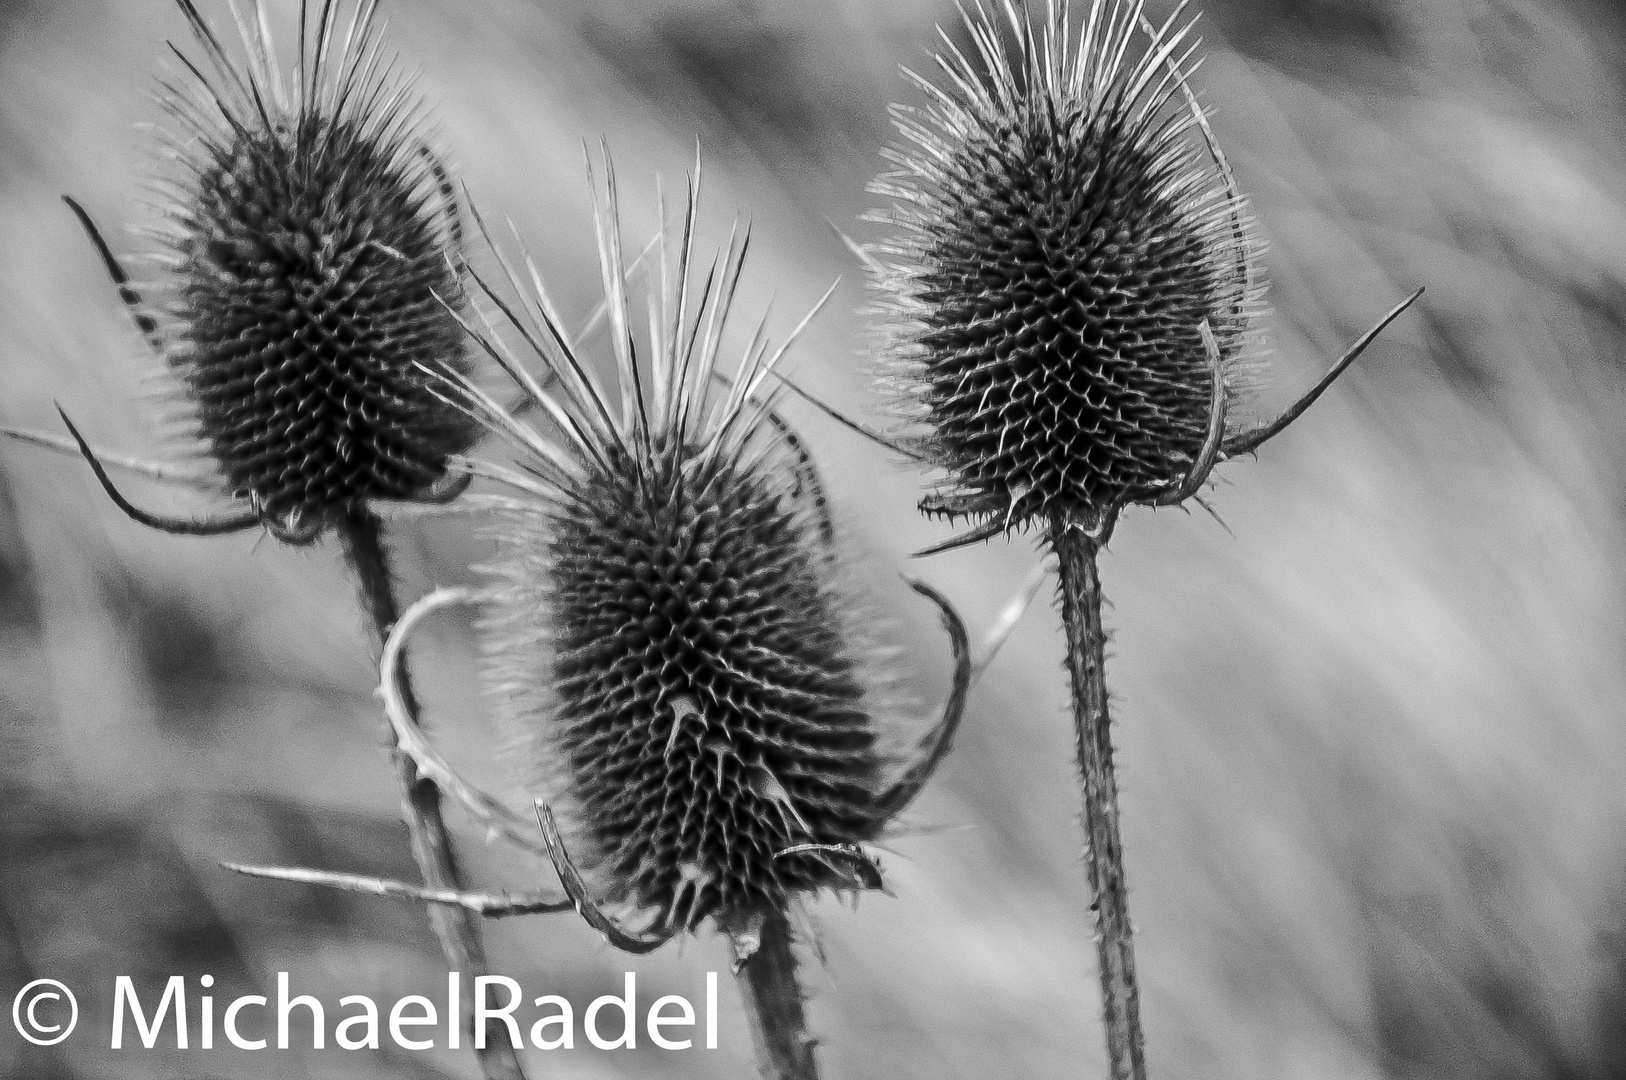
pixel 1074 278
pixel 303 309
pixel 667 628
pixel 306 230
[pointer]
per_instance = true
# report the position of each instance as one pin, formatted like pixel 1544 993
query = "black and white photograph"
pixel 709 539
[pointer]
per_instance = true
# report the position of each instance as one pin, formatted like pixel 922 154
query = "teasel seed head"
pixel 670 630
pixel 310 227
pixel 1066 232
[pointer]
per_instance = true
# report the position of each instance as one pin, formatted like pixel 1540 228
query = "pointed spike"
pixel 935 744
pixel 1206 505
pixel 865 868
pixel 448 196
pixel 152 470
pixel 1200 468
pixel 121 279
pixel 1012 614
pixel 859 252
pixel 1252 440
pixel 853 425
pixel 489 905
pixel 986 531
pixel 570 877
pixel 807 475
pixel 176 526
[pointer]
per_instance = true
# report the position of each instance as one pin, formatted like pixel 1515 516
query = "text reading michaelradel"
pixel 413 1022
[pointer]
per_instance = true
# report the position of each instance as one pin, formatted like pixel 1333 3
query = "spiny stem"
pixel 773 1005
pixel 457 929
pixel 1103 849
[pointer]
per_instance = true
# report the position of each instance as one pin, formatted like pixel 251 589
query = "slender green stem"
pixel 773 1004
pixel 1076 552
pixel 457 929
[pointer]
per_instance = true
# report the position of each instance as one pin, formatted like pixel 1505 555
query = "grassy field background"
pixel 1373 738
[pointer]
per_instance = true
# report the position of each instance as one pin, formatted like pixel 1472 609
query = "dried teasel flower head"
pixel 309 227
pixel 1073 267
pixel 669 629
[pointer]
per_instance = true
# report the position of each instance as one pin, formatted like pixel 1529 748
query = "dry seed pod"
pixel 708 709
pixel 669 617
pixel 1063 235
pixel 310 233
pixel 1074 279
pixel 308 227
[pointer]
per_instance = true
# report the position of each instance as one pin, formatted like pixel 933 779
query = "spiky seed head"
pixel 670 625
pixel 1065 225
pixel 311 226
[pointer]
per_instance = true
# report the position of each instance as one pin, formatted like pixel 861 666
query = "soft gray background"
pixel 1372 743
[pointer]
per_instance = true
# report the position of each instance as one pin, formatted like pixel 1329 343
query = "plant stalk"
pixel 774 1007
pixel 1103 849
pixel 457 929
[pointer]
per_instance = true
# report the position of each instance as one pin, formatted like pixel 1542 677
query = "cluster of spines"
pixel 668 617
pixel 1061 241
pixel 311 229
pixel 706 710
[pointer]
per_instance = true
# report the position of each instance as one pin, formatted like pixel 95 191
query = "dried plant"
pixel 669 631
pixel 306 227
pixel 1075 281
pixel 308 232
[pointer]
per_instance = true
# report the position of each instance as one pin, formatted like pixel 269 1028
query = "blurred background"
pixel 1372 738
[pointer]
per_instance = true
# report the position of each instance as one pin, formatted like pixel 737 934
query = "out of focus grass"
pixel 1372 738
